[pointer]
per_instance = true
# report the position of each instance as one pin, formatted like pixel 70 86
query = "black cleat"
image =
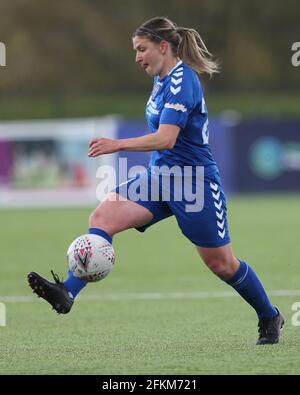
pixel 54 293
pixel 269 329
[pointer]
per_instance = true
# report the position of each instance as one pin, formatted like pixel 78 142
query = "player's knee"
pixel 94 218
pixel 106 218
pixel 223 268
pixel 100 219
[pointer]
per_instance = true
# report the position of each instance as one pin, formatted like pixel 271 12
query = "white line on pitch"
pixel 150 296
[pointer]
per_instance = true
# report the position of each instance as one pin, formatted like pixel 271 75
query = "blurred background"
pixel 70 75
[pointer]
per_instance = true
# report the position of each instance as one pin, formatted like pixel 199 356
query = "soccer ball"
pixel 90 257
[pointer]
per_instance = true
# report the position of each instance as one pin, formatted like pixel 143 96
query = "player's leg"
pixel 113 215
pixel 116 213
pixel 244 280
pixel 240 276
pixel 207 228
pixel 220 260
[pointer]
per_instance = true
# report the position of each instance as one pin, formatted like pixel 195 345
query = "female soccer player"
pixel 177 117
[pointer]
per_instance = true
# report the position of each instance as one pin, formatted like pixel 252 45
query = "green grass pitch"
pixel 144 318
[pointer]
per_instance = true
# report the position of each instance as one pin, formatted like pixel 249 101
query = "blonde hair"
pixel 186 43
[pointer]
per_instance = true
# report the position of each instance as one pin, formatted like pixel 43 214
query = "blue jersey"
pixel 177 99
pixel 200 205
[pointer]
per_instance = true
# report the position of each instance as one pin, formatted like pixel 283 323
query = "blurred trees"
pixel 84 46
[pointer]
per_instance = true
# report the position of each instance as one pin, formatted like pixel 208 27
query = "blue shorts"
pixel 196 200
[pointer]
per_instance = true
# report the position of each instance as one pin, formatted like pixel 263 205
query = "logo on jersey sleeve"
pixel 177 107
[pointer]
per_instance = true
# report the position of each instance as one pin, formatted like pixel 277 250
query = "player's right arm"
pixel 164 138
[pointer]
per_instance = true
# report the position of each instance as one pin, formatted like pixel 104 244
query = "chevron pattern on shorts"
pixel 216 194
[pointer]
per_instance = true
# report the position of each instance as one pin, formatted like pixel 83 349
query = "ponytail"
pixel 194 53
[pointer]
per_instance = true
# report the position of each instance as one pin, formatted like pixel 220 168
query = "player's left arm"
pixel 164 138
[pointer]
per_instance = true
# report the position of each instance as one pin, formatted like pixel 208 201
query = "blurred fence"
pixel 45 163
pixel 267 155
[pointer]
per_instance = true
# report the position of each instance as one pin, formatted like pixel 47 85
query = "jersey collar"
pixel 171 71
pixel 175 67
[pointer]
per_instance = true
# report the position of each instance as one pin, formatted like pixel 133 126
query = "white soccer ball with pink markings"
pixel 90 257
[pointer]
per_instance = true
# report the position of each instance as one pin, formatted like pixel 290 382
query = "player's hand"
pixel 102 146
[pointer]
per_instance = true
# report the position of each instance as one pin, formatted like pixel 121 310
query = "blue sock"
pixel 100 232
pixel 73 284
pixel 247 284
